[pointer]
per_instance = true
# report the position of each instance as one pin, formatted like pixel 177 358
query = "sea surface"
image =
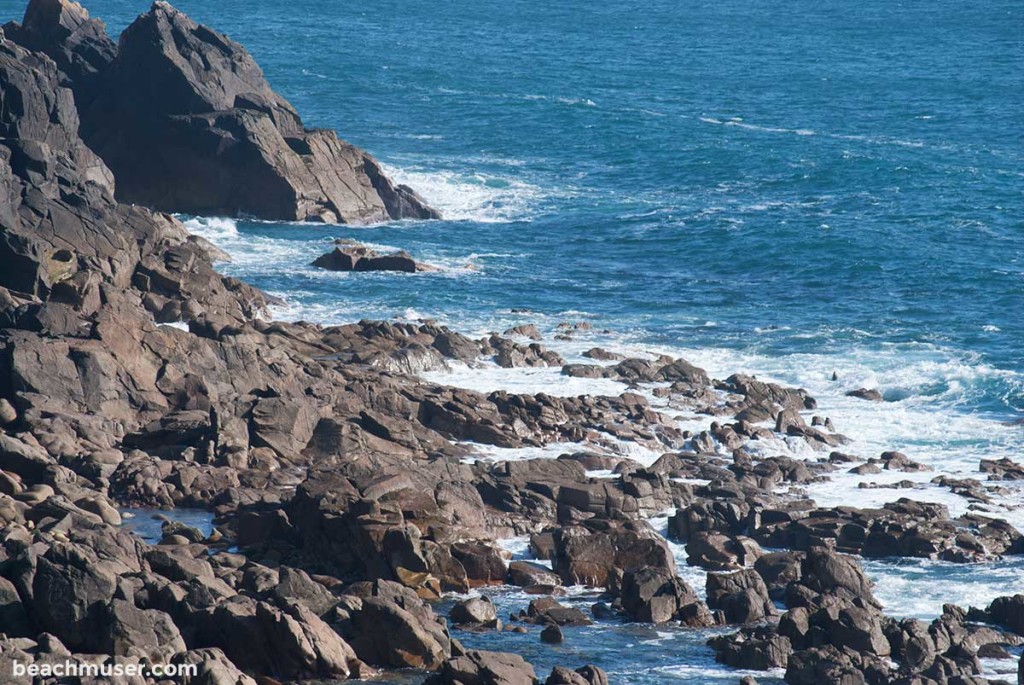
pixel 787 189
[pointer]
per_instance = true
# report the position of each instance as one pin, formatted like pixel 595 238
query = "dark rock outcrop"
pixel 187 122
pixel 361 258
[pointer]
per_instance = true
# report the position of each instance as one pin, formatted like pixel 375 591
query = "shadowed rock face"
pixel 185 119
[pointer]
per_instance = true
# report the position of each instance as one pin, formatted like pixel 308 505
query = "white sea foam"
pixel 478 197
pixel 919 587
pixel 490 377
pixel 738 122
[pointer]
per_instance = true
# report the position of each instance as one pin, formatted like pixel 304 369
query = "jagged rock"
pixel 654 596
pixel 757 649
pixel 125 630
pixel 594 553
pixel 779 569
pixel 63 30
pixel 742 596
pixel 188 123
pixel 388 625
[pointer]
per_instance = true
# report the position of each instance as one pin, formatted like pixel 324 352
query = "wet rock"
pixel 361 258
pixel 1002 469
pixel 1007 612
pixel 509 354
pixel 869 394
pixel 551 634
pixel 897 461
pixel 825 665
pixel 483 563
pixel 778 570
pixel 525 574
pixel 548 610
pixel 721 552
pixel 902 528
pixel 601 354
pixel 757 649
pixel 587 675
pixel 526 331
pixel 654 596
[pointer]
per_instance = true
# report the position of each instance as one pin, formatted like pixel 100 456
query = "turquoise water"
pixel 787 189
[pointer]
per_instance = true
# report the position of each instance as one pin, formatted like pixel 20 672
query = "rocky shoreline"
pixel 346 492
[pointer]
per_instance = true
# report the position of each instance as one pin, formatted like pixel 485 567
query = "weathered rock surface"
pixel 485 668
pixel 341 476
pixel 187 122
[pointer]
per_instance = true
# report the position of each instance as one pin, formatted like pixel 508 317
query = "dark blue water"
pixel 807 177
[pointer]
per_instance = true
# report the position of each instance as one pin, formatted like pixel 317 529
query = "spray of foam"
pixel 477 196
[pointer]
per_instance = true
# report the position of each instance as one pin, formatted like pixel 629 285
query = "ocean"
pixel 785 189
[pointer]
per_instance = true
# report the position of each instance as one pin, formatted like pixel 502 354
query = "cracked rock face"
pixel 185 119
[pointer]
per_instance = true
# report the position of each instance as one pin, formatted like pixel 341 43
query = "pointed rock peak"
pixel 46 17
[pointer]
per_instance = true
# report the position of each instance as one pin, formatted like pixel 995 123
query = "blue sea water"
pixel 796 178
pixel 783 188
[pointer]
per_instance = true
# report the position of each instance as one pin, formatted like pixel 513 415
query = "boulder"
pixel 361 258
pixel 587 675
pixel 385 633
pixel 866 394
pixel 477 611
pixel 741 596
pixel 551 634
pixel 652 595
pixel 600 550
pixel 478 667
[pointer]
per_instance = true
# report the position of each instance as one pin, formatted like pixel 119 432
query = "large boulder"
pixel 600 551
pixel 478 667
pixel 742 596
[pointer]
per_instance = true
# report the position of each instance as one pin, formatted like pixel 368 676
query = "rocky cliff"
pixel 132 373
pixel 185 119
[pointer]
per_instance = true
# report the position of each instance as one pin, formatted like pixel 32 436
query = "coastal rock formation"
pixel 346 489
pixel 187 122
pixel 361 258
